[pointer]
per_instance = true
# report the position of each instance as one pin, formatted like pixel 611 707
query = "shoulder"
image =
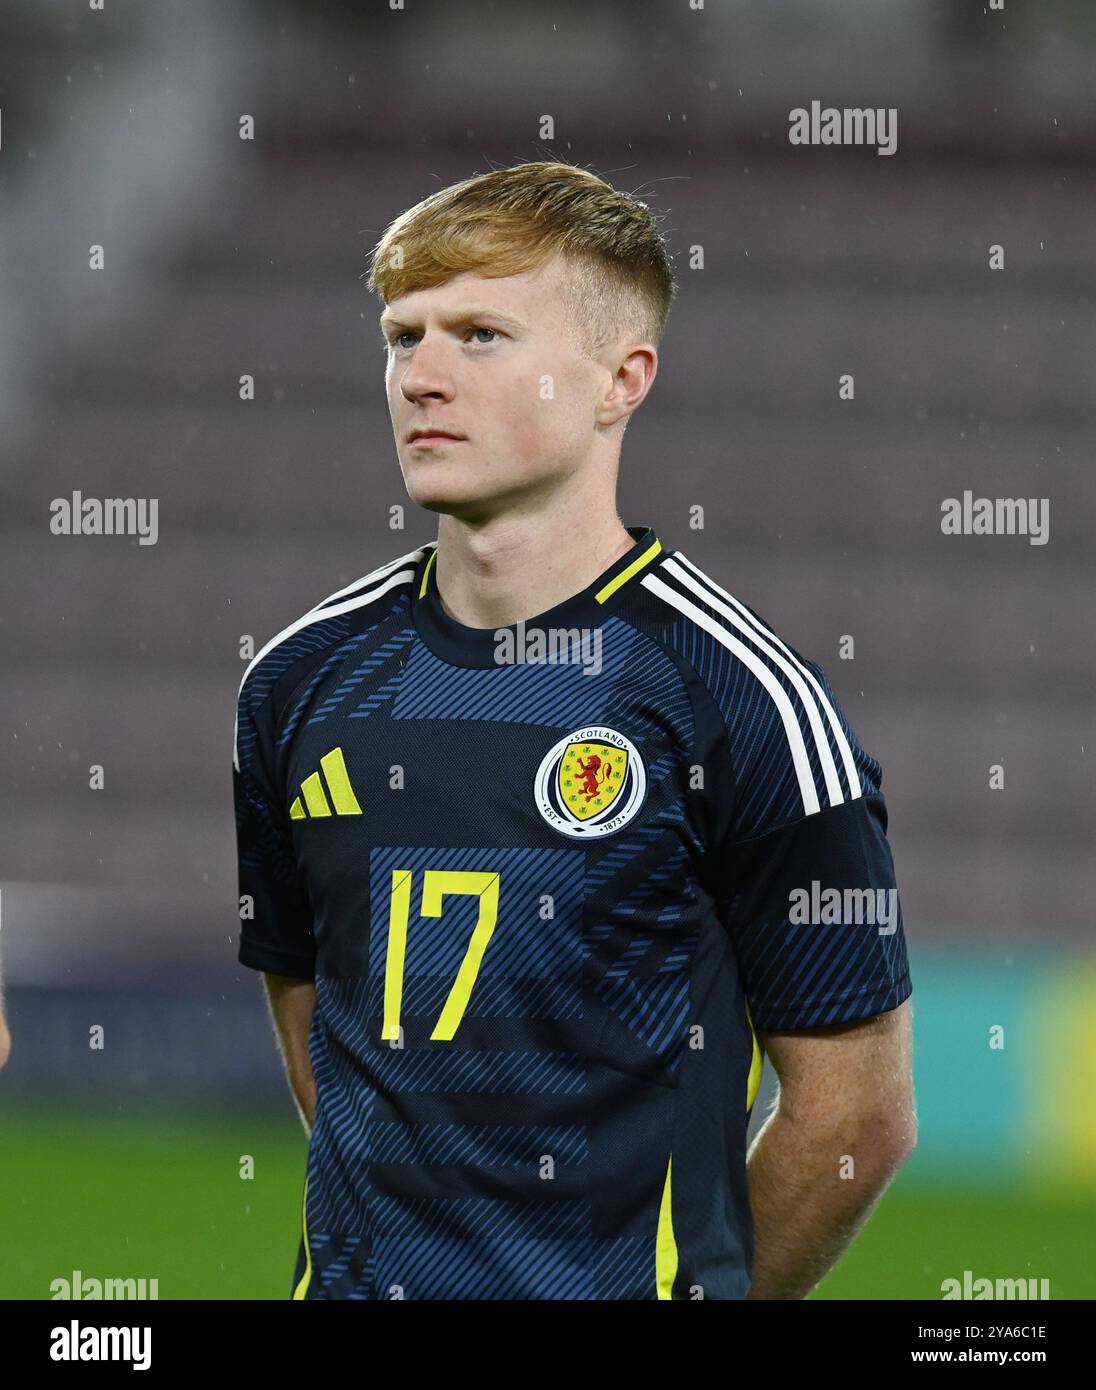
pixel 290 653
pixel 792 749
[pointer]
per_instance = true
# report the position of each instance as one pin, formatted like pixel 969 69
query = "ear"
pixel 634 376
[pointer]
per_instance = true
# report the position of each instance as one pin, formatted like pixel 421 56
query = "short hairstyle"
pixel 515 220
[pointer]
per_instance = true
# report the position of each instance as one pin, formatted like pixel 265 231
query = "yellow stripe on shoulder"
pixel 633 569
pixel 426 574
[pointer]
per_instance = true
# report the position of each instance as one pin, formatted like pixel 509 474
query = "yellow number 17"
pixel 435 884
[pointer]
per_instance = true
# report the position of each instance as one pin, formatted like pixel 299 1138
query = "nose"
pixel 427 374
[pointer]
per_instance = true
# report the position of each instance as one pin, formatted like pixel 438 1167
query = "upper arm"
pixel 806 883
pixel 276 915
pixel 858 1072
pixel 815 916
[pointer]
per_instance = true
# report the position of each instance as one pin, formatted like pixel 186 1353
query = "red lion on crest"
pixel 591 785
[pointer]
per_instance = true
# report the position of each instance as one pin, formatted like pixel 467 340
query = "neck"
pixel 511 568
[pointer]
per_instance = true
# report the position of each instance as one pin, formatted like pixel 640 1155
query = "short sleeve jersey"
pixel 551 881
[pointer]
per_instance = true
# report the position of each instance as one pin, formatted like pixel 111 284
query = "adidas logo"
pixel 338 786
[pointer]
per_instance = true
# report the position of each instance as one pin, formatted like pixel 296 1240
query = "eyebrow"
pixel 455 319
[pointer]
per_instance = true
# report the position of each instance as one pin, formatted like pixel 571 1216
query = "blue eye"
pixel 397 338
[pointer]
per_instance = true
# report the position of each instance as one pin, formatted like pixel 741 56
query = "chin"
pixel 464 508
pixel 427 486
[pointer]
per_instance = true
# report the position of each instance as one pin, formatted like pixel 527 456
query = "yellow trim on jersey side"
pixel 665 1240
pixel 666 1260
pixel 426 573
pixel 306 1278
pixel 665 1244
pixel 626 574
pixel 757 1064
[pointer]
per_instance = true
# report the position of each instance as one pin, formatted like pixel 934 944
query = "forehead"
pixel 531 297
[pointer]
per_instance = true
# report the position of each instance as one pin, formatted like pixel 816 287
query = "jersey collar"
pixel 478 647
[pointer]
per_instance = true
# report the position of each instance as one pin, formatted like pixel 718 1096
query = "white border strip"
pixel 796 743
pixel 847 759
pixel 316 615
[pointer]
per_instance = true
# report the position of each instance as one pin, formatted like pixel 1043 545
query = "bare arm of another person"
pixel 842 1126
pixel 291 1002
pixel 5 1036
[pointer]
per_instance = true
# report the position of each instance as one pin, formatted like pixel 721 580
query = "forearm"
pixel 291 1006
pixel 303 1085
pixel 5 1036
pixel 806 1206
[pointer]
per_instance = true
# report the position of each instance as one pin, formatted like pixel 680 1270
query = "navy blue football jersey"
pixel 551 881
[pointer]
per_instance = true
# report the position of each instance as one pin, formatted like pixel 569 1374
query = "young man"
pixel 527 821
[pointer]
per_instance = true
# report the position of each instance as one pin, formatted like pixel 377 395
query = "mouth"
pixel 428 439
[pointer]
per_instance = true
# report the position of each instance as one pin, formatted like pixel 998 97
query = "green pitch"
pixel 140 1196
